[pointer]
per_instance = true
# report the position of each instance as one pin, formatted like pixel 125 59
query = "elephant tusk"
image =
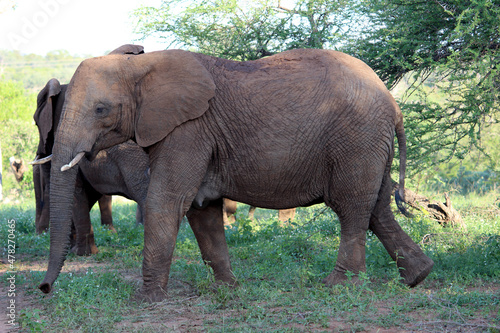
pixel 73 162
pixel 41 161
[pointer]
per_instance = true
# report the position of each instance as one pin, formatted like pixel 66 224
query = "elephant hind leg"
pixel 286 215
pixel 208 228
pixel 229 210
pixel 354 221
pixel 105 207
pixel 413 264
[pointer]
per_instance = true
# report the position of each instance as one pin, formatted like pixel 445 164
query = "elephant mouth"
pixel 91 155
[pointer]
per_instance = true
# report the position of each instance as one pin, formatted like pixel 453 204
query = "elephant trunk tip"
pixel 45 287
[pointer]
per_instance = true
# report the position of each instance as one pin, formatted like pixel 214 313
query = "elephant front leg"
pixel 178 166
pixel 139 215
pixel 208 228
pixel 163 216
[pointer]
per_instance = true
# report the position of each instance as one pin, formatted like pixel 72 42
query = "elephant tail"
pixel 399 195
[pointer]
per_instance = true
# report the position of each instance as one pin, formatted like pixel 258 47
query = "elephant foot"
pixel 112 228
pixel 229 283
pixel 147 295
pixel 338 277
pixel 414 269
pixel 226 280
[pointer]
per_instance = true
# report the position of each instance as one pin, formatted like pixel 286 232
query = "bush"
pixel 20 136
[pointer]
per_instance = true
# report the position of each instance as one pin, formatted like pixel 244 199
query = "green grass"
pixel 279 270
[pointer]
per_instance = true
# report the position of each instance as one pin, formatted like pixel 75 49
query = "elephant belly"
pixel 266 186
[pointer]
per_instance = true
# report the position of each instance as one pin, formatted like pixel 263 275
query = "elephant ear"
pixel 175 88
pixel 44 110
pixel 128 49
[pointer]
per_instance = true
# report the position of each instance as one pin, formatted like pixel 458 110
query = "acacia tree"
pixel 451 44
pixel 245 30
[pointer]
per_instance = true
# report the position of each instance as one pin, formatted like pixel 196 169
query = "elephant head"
pixel 113 112
pixel 50 102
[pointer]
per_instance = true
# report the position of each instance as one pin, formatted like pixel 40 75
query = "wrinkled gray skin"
pixel 121 170
pixel 294 129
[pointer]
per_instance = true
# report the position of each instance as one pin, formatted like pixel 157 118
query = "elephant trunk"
pixel 38 186
pixel 62 187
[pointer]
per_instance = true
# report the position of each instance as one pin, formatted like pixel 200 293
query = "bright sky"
pixel 78 26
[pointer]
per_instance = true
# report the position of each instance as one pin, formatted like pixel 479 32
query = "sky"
pixel 82 27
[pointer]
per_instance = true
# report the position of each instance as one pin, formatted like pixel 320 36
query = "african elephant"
pixel 229 209
pixel 293 129
pixel 122 170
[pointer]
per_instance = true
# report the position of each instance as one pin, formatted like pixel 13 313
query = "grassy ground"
pixel 279 271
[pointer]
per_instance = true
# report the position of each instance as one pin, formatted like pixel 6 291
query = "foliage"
pixel 20 136
pixel 22 76
pixel 244 30
pixel 478 172
pixel 35 70
pixel 455 43
pixel 15 102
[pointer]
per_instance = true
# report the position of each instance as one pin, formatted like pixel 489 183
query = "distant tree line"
pixel 34 70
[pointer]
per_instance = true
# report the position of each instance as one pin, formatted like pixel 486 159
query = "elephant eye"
pixel 101 110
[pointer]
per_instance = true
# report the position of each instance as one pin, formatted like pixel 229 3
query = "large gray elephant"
pixel 294 129
pixel 121 170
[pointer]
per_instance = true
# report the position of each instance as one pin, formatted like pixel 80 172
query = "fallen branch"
pixel 442 212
